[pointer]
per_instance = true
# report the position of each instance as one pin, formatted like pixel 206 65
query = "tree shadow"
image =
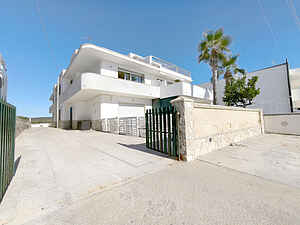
pixel 16 164
pixel 143 148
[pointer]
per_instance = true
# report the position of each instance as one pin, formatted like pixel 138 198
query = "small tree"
pixel 240 93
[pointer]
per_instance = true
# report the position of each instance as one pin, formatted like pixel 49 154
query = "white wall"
pixel 109 69
pixel 108 106
pixel 274 92
pixel 118 86
pixel 283 123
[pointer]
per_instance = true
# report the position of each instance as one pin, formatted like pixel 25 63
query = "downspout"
pixel 289 85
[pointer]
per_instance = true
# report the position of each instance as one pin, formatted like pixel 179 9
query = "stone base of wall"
pixel 21 125
pixel 208 144
pixel 112 125
pixel 96 125
pixel 64 124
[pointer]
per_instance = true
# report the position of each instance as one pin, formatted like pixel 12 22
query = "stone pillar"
pixel 184 105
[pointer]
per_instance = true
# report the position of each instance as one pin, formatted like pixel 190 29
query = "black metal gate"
pixel 161 130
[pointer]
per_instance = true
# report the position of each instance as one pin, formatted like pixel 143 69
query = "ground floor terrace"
pixel 100 178
pixel 105 113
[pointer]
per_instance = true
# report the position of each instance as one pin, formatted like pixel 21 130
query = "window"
pixel 71 81
pixel 126 75
pixel 1 82
pixel 123 75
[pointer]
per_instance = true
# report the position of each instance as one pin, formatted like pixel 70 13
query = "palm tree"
pixel 230 68
pixel 213 51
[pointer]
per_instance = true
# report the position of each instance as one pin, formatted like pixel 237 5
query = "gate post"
pixel 184 106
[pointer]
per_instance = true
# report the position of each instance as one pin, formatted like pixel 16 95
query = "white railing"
pixel 160 63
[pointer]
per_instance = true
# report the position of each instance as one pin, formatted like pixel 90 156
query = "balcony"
pixel 186 89
pixel 90 85
pixel 160 63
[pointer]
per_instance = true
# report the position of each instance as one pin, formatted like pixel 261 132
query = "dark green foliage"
pixel 240 92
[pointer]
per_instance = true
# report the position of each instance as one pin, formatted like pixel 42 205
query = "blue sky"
pixel 39 37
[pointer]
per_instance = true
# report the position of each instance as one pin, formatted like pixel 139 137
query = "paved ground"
pixel 57 168
pixel 194 193
pixel 272 156
pixel 85 182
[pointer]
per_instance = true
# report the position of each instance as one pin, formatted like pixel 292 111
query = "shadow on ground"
pixel 16 165
pixel 143 148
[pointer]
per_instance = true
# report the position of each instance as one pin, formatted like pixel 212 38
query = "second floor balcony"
pixel 89 85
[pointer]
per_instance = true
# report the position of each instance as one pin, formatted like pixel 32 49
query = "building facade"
pixel 3 79
pixel 100 84
pixel 279 89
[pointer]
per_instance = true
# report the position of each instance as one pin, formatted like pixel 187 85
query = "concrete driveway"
pixel 56 168
pixel 271 156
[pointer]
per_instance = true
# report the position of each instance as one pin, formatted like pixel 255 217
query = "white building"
pixel 295 87
pixel 100 84
pixel 3 79
pixel 279 89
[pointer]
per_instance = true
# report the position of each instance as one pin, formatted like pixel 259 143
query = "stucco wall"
pixel 204 128
pixel 283 123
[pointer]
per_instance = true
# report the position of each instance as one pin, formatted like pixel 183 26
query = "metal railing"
pixel 7 145
pixel 157 62
pixel 171 66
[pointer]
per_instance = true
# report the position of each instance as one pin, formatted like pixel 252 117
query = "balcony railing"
pixel 170 66
pixel 160 63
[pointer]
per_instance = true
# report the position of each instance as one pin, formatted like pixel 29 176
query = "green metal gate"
pixel 161 130
pixel 7 145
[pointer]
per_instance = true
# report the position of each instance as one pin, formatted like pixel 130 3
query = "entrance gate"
pixel 162 130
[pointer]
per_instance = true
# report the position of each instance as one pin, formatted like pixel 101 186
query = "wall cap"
pixel 221 107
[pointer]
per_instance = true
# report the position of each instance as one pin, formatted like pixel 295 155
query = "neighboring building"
pixel 3 79
pixel 279 89
pixel 101 84
pixel 295 87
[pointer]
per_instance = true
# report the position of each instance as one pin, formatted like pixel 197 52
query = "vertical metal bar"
pixel 169 131
pixel 165 130
pixel 1 150
pixel 10 144
pixel 160 130
pixel 157 130
pixel 14 138
pixel 147 129
pixel 153 121
pixel 5 148
pixel 150 130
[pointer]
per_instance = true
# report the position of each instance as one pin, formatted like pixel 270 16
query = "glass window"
pixel 1 82
pixel 121 75
pixel 134 78
pixel 127 76
pixel 130 76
